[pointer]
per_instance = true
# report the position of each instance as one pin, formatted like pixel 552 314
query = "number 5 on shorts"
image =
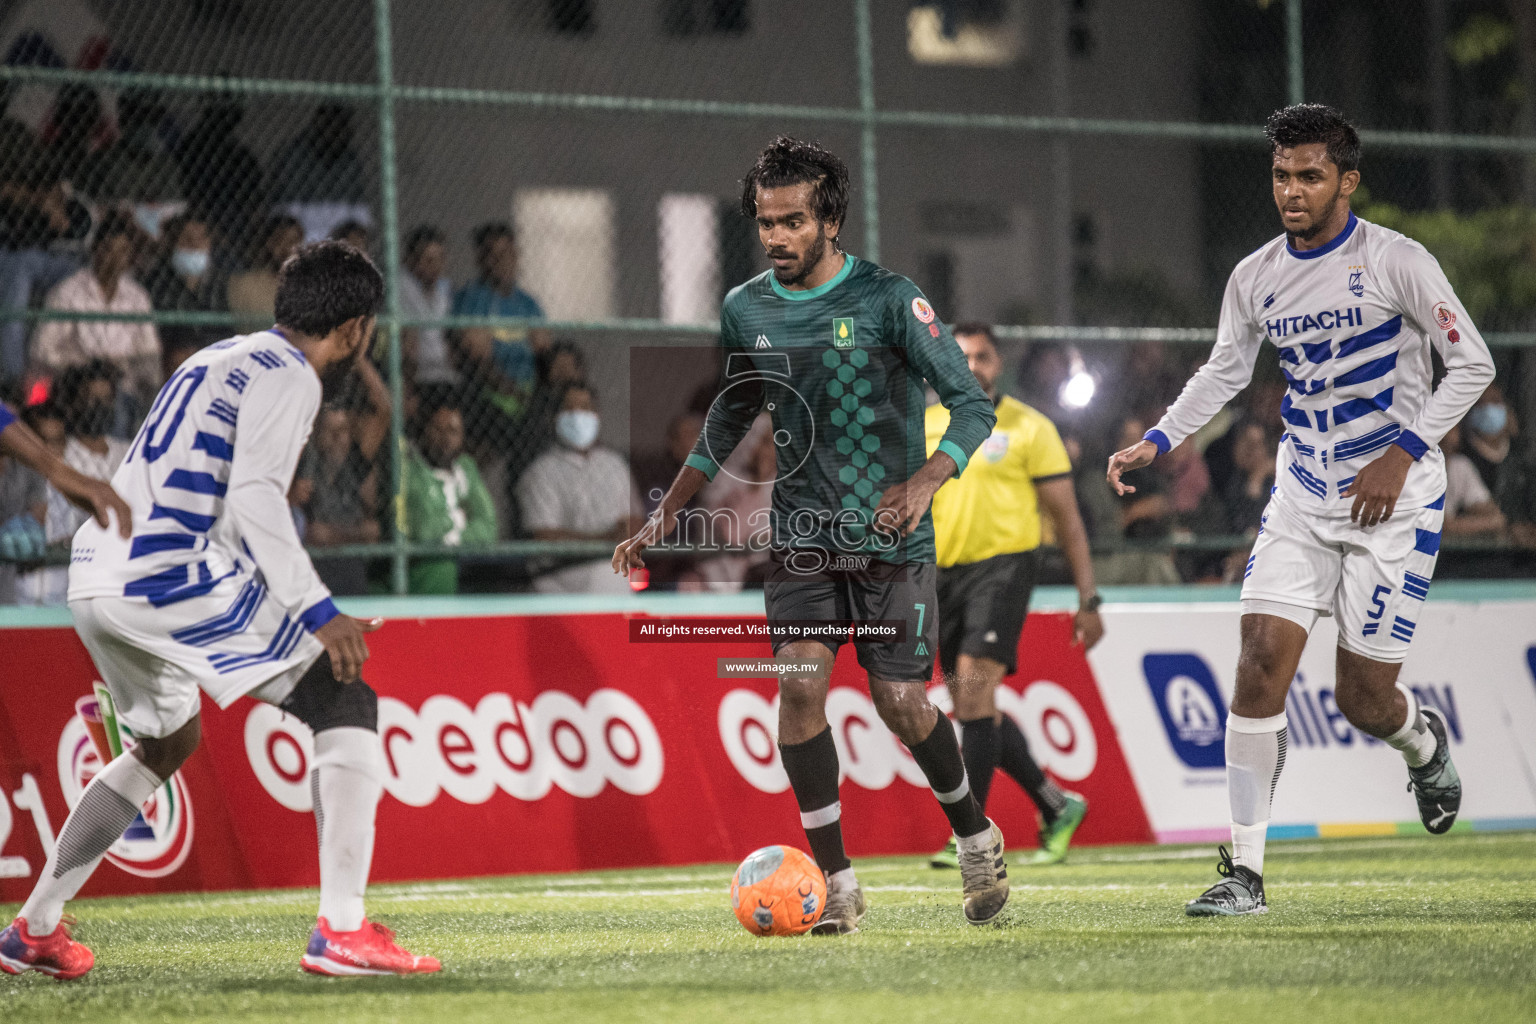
pixel 1378 603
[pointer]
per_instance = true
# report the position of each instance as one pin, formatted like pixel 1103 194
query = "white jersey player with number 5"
pixel 1353 524
pixel 213 593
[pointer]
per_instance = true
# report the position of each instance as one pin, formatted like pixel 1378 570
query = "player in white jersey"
pixel 1353 524
pixel 213 592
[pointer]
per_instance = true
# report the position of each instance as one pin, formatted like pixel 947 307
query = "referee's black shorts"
pixel 982 607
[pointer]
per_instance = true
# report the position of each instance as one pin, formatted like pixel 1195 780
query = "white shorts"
pixel 1374 581
pixel 234 641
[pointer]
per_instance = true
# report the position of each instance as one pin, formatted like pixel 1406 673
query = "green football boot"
pixel 1057 836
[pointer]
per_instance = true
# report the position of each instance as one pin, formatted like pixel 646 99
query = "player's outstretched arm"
pixel 94 496
pixel 739 399
pixel 627 555
pixel 1136 456
pixel 1227 371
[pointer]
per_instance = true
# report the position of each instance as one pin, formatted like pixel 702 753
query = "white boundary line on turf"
pixel 385 900
pixel 718 878
pixel 955 889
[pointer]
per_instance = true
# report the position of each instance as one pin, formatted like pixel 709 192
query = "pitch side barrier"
pixel 505 718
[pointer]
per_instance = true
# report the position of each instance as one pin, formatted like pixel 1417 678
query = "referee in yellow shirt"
pixel 987 530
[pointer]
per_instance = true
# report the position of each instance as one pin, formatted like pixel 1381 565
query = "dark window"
pixel 1079 32
pixel 572 17
pixel 706 17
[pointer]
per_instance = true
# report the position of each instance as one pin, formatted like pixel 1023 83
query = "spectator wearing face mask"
pixel 1469 506
pixel 560 365
pixel 579 490
pixel 446 501
pixel 184 280
pixel 1491 431
pixel 1508 472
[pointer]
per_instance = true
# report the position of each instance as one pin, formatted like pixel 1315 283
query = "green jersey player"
pixel 837 350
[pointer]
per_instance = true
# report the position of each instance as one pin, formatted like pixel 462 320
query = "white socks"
pixel 1414 739
pixel 980 841
pixel 106 808
pixel 345 784
pixel 1255 755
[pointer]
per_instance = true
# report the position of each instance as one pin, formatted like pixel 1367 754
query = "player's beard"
pixel 1320 221
pixel 334 380
pixel 813 257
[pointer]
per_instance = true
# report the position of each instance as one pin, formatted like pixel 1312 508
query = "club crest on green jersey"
pixel 842 332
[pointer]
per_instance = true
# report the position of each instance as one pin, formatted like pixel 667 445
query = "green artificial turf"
pixel 1361 930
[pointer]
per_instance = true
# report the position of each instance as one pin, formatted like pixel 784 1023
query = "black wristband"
pixel 1090 605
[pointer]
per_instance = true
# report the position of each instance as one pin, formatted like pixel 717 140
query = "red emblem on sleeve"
pixel 922 310
pixel 1454 336
pixel 933 329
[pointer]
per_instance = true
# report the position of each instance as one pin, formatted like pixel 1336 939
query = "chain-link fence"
pixel 550 189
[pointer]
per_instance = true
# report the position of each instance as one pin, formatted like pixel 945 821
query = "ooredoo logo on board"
pixel 522 749
pixel 1058 729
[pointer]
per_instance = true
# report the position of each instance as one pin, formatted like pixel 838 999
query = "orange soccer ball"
pixel 778 891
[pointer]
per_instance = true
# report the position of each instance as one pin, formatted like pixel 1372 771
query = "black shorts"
pixel 877 591
pixel 982 607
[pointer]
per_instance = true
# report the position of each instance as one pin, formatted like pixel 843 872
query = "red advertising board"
pixel 530 743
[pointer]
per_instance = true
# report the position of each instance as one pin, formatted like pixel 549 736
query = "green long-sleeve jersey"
pixel 841 369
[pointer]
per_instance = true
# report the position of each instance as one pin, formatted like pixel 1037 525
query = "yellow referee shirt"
pixel 991 508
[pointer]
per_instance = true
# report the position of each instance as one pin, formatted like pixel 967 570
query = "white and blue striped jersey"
pixel 207 479
pixel 1354 321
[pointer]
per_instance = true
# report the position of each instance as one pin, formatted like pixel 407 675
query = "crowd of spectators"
pixel 116 209
pixel 133 215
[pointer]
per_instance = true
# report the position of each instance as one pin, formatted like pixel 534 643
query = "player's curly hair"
pixel 1304 123
pixel 322 286
pixel 789 161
